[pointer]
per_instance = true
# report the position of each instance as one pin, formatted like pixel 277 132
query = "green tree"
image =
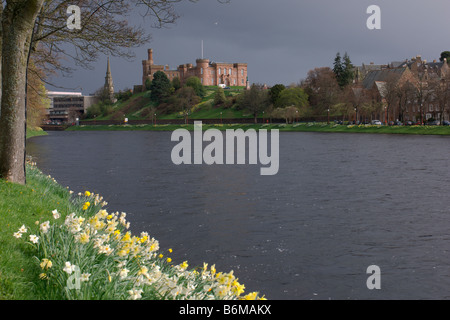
pixel 148 83
pixel 196 84
pixel 176 83
pixel 255 100
pixel 292 97
pixel 183 100
pixel 275 92
pixel 219 97
pixel 348 73
pixel 338 69
pixel 445 55
pixel 160 87
pixel 343 69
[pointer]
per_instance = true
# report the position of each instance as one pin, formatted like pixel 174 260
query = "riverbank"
pixel 57 246
pixel 24 205
pixel 35 132
pixel 297 127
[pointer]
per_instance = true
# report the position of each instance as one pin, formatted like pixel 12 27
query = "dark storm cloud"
pixel 282 39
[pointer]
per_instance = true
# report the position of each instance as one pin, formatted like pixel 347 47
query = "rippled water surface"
pixel 340 203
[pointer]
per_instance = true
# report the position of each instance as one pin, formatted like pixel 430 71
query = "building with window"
pixel 210 73
pixel 66 107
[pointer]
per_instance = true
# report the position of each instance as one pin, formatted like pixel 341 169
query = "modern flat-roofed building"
pixel 66 107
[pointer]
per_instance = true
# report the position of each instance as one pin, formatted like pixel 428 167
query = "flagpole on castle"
pixel 202 49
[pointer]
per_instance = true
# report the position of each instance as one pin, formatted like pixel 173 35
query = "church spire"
pixel 109 85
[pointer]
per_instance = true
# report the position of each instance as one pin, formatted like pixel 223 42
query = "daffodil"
pixel 69 268
pixel 87 193
pixel 46 264
pixel 184 265
pixel 56 214
pixel 135 294
pixel 86 205
pixel 45 226
pixel 85 277
pixel 18 235
pixel 43 276
pixel 143 271
pixel 237 288
pixel 83 238
pixel 251 296
pixel 123 273
pixel 34 238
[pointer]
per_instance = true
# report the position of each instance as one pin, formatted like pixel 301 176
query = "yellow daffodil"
pixel 46 264
pixel 43 276
pixel 86 206
pixel 251 296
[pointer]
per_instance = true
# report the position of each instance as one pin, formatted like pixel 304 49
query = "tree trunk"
pixel 17 29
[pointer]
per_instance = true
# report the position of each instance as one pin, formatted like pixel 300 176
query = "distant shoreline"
pixel 296 127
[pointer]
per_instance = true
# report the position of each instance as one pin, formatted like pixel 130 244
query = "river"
pixel 339 204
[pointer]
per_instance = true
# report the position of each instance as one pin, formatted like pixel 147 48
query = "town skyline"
pixel 281 49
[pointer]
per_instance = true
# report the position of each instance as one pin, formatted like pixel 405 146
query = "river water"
pixel 339 204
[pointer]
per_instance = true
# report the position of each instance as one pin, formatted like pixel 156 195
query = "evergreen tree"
pixel 275 92
pixel 337 67
pixel 348 74
pixel 160 87
pixel 343 70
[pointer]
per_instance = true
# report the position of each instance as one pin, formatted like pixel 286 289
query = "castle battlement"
pixel 209 73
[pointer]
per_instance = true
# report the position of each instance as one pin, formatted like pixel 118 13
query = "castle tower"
pixel 109 85
pixel 150 56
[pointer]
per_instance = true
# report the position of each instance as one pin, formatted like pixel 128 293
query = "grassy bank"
pixel 298 127
pixel 35 132
pixel 56 246
pixel 24 205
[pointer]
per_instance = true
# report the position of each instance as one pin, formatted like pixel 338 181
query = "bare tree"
pixel 405 95
pixel 440 89
pixel 389 91
pixel 322 89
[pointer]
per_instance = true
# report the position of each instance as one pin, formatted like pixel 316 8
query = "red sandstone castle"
pixel 209 73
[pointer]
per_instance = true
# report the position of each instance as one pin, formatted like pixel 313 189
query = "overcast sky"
pixel 281 40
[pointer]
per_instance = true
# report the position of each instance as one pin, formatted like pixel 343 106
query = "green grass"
pixel 134 108
pixel 24 205
pixel 298 127
pixel 35 132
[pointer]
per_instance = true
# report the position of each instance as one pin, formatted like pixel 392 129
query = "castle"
pixel 209 73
